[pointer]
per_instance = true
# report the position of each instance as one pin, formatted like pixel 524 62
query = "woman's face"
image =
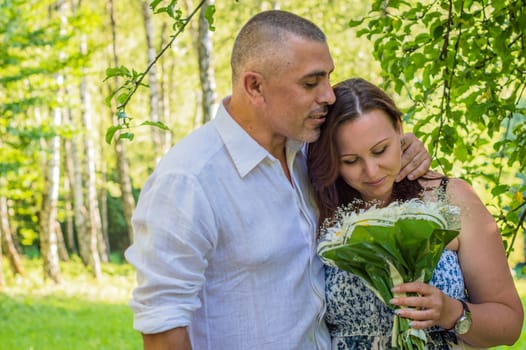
pixel 370 154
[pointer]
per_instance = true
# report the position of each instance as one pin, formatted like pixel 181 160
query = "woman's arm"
pixel 495 306
pixel 494 302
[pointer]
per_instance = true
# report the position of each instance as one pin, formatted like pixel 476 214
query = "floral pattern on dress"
pixel 359 320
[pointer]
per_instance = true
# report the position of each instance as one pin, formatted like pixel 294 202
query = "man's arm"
pixel 173 339
pixel 415 158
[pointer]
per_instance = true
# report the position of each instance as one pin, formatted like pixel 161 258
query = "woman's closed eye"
pixel 380 150
pixel 349 160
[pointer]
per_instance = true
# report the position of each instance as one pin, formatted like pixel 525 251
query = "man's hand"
pixel 415 158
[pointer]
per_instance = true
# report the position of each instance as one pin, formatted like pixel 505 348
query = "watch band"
pixel 463 324
pixel 465 309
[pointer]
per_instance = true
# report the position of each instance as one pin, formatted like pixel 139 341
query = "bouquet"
pixel 387 246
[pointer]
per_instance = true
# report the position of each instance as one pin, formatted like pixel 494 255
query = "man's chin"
pixel 313 136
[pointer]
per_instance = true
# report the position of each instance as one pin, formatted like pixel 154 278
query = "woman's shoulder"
pixel 433 180
pixel 461 194
pixel 460 190
pixel 432 183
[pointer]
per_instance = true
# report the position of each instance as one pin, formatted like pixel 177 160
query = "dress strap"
pixel 443 185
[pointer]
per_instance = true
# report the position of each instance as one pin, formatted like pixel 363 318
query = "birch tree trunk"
pixel 74 170
pixel 97 246
pixel 152 80
pixel 61 245
pixel 68 190
pixel 206 69
pixel 165 79
pixel 103 185
pixel 48 212
pixel 123 168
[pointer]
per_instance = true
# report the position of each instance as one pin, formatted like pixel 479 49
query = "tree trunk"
pixel 61 245
pixel 48 213
pixel 98 249
pixel 8 246
pixel 152 80
pixel 123 168
pixel 74 167
pixel 206 69
pixel 103 198
pixel 103 186
pixel 68 189
pixel 165 79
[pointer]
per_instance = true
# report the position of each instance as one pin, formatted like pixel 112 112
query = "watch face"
pixel 463 324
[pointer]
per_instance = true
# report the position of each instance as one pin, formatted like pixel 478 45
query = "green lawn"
pixel 82 313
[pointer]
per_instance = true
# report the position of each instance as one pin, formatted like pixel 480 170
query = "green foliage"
pixel 36 46
pixel 462 66
pixel 35 50
pixel 133 80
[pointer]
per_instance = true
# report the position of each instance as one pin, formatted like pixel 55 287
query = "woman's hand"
pixel 426 305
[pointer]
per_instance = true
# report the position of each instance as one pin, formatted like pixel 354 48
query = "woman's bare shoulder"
pixel 430 180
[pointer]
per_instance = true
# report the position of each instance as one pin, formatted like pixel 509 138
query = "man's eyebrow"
pixel 319 73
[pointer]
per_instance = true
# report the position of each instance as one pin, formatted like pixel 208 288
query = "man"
pixel 225 227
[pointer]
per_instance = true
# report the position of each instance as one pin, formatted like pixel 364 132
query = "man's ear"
pixel 252 84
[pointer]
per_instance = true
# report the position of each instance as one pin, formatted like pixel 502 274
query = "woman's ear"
pixel 402 135
pixel 401 128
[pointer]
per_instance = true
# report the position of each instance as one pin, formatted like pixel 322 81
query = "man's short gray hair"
pixel 264 32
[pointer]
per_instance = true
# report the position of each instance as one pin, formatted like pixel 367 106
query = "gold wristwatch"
pixel 463 324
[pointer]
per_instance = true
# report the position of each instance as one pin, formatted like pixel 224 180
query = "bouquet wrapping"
pixel 387 246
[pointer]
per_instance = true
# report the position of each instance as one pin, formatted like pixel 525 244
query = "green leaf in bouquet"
pixel 422 242
pixel 383 237
pixel 363 261
pixel 437 242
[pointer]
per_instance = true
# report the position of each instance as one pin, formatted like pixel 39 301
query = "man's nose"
pixel 327 95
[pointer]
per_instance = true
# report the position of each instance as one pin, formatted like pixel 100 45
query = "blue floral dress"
pixel 357 319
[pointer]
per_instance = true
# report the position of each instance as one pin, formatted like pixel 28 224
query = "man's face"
pixel 297 94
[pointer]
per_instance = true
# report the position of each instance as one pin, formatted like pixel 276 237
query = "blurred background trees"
pixel 455 67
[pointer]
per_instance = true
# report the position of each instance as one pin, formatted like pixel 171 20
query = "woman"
pixel 471 298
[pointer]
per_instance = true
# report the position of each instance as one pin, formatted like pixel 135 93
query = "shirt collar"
pixel 245 152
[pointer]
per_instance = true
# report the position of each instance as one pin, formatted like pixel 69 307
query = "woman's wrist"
pixel 454 311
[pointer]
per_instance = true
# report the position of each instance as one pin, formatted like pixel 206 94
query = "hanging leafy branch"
pixel 133 79
pixel 462 63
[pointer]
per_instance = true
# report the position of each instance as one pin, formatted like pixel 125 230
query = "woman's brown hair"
pixel 354 97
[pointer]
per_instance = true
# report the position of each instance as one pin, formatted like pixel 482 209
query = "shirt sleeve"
pixel 172 225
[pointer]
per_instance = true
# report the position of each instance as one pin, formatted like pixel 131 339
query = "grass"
pixel 82 313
